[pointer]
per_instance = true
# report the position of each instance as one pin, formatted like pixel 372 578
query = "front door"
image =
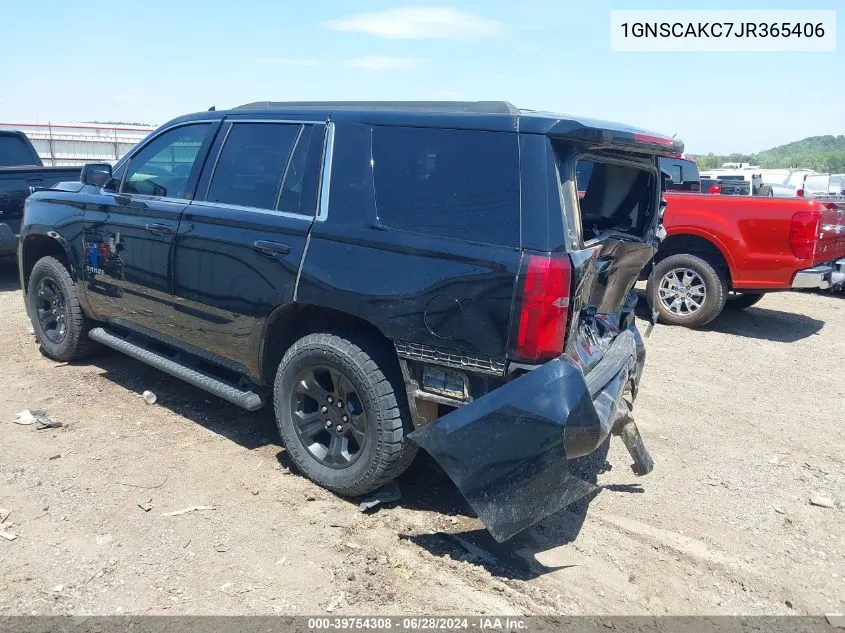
pixel 241 241
pixel 129 236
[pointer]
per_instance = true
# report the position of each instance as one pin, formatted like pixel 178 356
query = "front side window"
pixel 450 183
pixel 614 197
pixel 258 166
pixel 163 167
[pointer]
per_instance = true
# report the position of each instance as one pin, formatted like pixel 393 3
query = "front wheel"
pixel 687 290
pixel 742 300
pixel 56 315
pixel 342 416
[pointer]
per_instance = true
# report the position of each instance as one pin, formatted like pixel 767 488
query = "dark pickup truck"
pixel 21 173
pixel 389 275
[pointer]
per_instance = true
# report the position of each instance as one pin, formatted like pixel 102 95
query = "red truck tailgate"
pixel 831 244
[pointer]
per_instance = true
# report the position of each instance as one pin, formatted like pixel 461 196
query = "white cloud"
pixel 383 63
pixel 287 61
pixel 418 23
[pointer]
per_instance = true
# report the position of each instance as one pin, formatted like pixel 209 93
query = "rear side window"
pixel 452 183
pixel 675 171
pixel 614 197
pixel 13 151
pixel 684 173
pixel 254 162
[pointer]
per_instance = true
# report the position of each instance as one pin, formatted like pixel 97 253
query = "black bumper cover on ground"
pixel 507 451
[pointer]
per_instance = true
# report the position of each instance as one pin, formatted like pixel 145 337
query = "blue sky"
pixel 153 60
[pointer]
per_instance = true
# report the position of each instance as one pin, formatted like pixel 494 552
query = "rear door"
pixel 240 243
pixel 129 234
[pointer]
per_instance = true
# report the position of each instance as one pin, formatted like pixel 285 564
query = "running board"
pixel 249 400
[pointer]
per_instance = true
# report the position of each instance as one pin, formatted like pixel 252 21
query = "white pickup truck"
pixel 824 186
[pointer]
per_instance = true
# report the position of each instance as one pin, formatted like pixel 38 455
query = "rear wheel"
pixel 56 315
pixel 342 416
pixel 742 300
pixel 687 290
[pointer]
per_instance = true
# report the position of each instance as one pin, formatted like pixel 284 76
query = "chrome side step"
pixel 249 400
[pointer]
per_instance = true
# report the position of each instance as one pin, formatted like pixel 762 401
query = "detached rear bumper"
pixel 822 276
pixel 507 451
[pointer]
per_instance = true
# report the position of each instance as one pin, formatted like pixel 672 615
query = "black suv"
pixel 394 274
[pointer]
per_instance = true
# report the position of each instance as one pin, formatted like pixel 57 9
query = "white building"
pixel 61 144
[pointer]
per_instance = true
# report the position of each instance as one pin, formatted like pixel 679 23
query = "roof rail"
pixel 468 107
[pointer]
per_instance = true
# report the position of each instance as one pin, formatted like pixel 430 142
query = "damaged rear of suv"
pixel 455 276
pixel 590 215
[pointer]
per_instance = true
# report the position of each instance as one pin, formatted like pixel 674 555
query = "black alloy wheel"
pixel 330 420
pixel 51 307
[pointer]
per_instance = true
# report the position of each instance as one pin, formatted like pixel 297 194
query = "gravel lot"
pixel 744 421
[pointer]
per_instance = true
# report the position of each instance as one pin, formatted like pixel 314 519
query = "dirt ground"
pixel 744 421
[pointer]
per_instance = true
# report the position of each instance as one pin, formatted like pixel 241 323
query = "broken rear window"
pixel 614 197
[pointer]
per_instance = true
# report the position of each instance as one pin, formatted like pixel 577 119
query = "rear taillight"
pixel 804 234
pixel 717 189
pixel 541 317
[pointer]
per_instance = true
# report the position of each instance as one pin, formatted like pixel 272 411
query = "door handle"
pixel 271 248
pixel 159 229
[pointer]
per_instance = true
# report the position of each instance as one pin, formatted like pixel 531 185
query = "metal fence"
pixel 79 143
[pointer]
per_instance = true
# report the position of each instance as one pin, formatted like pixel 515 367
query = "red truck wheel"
pixel 686 290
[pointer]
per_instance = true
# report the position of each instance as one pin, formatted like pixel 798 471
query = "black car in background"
pixel 21 173
pixel 684 174
pixel 389 275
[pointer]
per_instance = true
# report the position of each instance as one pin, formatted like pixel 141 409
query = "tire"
pixel 61 344
pixel 742 300
pixel 715 290
pixel 374 395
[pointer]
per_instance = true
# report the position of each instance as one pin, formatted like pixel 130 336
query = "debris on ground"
pixel 58 588
pixel 56 456
pixel 25 417
pixel 187 510
pixel 222 548
pixel 43 422
pixel 39 418
pixel 388 493
pixel 352 546
pixel 149 397
pixel 4 514
pixel 473 550
pixel 335 602
pixel 822 501
pixel 146 506
pixel 8 535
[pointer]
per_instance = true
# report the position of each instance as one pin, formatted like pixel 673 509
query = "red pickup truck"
pixel 726 251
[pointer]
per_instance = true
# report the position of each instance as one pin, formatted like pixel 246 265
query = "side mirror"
pixel 97 174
